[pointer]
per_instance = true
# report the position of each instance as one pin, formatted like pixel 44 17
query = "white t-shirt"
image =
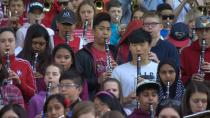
pixel 127 74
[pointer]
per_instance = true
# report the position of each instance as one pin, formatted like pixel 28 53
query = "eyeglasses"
pixel 165 17
pixel 68 85
pixel 152 24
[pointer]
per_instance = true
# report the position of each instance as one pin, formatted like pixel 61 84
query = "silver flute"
pixel 108 56
pixel 202 57
pixel 67 37
pixel 35 62
pixel 49 86
pixel 167 90
pixel 8 66
pixel 85 29
pixel 151 111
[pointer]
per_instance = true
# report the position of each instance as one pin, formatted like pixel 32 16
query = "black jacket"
pixel 85 64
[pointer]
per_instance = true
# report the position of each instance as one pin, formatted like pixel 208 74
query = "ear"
pixel 80 89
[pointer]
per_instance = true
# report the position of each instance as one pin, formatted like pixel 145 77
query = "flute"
pixel 108 57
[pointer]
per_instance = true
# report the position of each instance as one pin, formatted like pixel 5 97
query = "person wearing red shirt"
pixel 54 9
pixel 65 25
pixel 20 71
pixel 15 16
pixel 191 64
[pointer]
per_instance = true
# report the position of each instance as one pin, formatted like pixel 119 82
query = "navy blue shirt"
pixel 164 49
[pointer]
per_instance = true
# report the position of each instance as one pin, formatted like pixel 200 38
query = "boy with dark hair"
pixel 147 96
pixel 15 16
pixel 66 20
pixel 139 45
pixel 115 11
pixel 168 18
pixel 92 59
pixel 71 86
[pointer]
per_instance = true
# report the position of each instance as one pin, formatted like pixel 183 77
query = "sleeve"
pixel 173 53
pixel 115 74
pixel 32 111
pixel 19 38
pixel 28 86
pixel 184 71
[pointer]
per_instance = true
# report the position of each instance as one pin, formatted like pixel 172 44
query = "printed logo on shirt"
pixel 149 76
pixel 19 73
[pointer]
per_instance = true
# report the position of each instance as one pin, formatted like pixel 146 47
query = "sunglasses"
pixel 165 17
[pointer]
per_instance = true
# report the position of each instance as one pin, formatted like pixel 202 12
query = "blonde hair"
pixel 192 15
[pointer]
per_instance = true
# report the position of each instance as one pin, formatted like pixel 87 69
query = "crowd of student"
pixel 70 59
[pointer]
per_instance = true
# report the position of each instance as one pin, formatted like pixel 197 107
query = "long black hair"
pixel 15 108
pixel 27 53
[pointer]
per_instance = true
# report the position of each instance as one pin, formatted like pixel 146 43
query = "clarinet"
pixel 67 37
pixel 167 91
pixel 1 99
pixel 8 66
pixel 151 111
pixel 49 86
pixel 108 57
pixel 35 62
pixel 85 29
pixel 202 56
pixel 138 67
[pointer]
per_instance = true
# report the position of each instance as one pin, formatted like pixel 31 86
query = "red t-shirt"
pixel 100 60
pixel 89 34
pixel 74 44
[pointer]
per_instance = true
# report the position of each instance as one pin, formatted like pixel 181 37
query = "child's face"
pixel 52 75
pixel 112 87
pixel 36 16
pixel 167 18
pixel 63 58
pixel 39 44
pixel 70 90
pixel 102 31
pixel 55 109
pixel 198 102
pixel 168 113
pixel 116 14
pixel 16 7
pixel 138 15
pixel 147 97
pixel 141 49
pixel 167 74
pixel 75 4
pixel 65 27
pixel 153 25
pixel 7 42
pixel 86 12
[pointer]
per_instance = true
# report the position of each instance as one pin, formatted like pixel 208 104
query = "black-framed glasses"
pixel 153 24
pixel 165 17
pixel 68 85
